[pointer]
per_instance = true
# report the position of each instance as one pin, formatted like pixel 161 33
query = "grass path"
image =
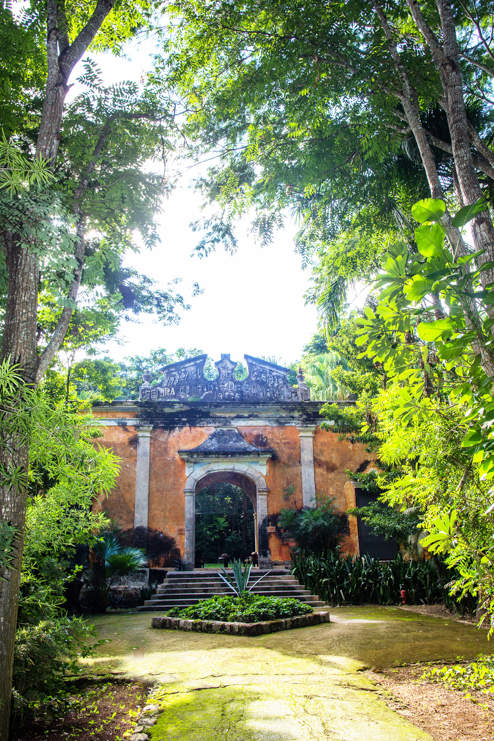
pixel 303 684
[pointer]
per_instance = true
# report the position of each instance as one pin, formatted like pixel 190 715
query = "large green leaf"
pixel 467 213
pixel 430 240
pixel 432 331
pixel 417 287
pixel 440 539
pixel 430 209
pixel 473 437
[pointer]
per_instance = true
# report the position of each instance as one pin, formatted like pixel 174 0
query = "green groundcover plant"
pixel 477 675
pixel 249 608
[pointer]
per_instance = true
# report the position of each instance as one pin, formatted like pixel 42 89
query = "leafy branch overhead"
pixel 339 114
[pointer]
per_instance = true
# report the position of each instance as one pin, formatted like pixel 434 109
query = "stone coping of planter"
pixel 241 629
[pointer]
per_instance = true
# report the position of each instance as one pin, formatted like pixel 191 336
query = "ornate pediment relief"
pixel 185 381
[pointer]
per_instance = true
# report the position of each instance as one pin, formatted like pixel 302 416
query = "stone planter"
pixel 241 629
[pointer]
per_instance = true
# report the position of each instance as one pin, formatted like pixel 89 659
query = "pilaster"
pixel 307 463
pixel 141 509
pixel 190 528
pixel 262 528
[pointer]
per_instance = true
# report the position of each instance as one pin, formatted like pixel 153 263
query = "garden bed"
pixel 106 711
pixel 241 629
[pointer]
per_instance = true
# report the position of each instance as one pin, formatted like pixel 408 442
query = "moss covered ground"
pixel 303 684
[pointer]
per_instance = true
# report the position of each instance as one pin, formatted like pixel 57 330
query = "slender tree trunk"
pixel 13 511
pixel 482 228
pixel 446 59
pixel 19 348
pixel 19 338
pixel 409 101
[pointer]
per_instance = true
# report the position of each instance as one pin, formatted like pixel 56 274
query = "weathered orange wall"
pixel 120 501
pixel 332 457
pixel 167 479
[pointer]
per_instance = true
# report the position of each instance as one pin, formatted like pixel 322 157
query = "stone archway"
pixel 240 474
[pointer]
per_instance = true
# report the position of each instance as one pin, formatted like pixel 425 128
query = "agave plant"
pixel 240 581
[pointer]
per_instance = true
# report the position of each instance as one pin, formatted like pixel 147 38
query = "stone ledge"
pixel 241 629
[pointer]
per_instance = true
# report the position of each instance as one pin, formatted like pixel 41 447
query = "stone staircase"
pixel 184 588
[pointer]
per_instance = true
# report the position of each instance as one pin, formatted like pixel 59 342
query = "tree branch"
pixel 426 31
pixel 63 323
pixel 479 164
pixel 480 145
pixel 63 27
pixel 69 58
pixel 411 108
pixel 481 66
pixel 476 23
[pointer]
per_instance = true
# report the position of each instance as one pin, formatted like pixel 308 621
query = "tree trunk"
pixel 19 339
pixel 449 70
pixel 12 511
pixel 19 347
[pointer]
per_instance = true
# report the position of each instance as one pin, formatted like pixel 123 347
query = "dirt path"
pixel 305 684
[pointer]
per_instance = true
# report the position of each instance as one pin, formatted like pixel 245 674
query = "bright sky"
pixel 252 301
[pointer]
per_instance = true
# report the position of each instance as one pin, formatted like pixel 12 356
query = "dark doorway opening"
pixel 384 549
pixel 224 523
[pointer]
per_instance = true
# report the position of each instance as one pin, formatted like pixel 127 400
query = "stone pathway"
pixel 304 684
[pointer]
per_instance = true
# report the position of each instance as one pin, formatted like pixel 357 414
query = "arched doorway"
pixel 249 480
pixel 225 517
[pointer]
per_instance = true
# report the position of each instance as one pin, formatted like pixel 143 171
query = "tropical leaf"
pixel 432 331
pixel 429 209
pixel 416 288
pixel 467 213
pixel 430 240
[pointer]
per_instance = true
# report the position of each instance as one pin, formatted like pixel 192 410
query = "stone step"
pixel 195 572
pixel 211 587
pixel 207 575
pixel 158 607
pixel 194 576
pixel 221 585
pixel 202 596
pixel 185 588
pixel 303 595
pixel 168 604
pixel 208 595
pixel 211 592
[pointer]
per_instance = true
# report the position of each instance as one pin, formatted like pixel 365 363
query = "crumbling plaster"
pixel 177 426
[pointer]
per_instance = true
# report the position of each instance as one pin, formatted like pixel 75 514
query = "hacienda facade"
pixel 260 434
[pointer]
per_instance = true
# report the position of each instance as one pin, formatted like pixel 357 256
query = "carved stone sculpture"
pixel 185 381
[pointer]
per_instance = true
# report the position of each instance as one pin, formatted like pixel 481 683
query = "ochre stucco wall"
pixel 332 457
pixel 120 501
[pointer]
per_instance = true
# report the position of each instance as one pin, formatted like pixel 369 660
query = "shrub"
pixel 249 608
pixel 109 561
pixel 45 653
pixel 365 580
pixel 316 529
